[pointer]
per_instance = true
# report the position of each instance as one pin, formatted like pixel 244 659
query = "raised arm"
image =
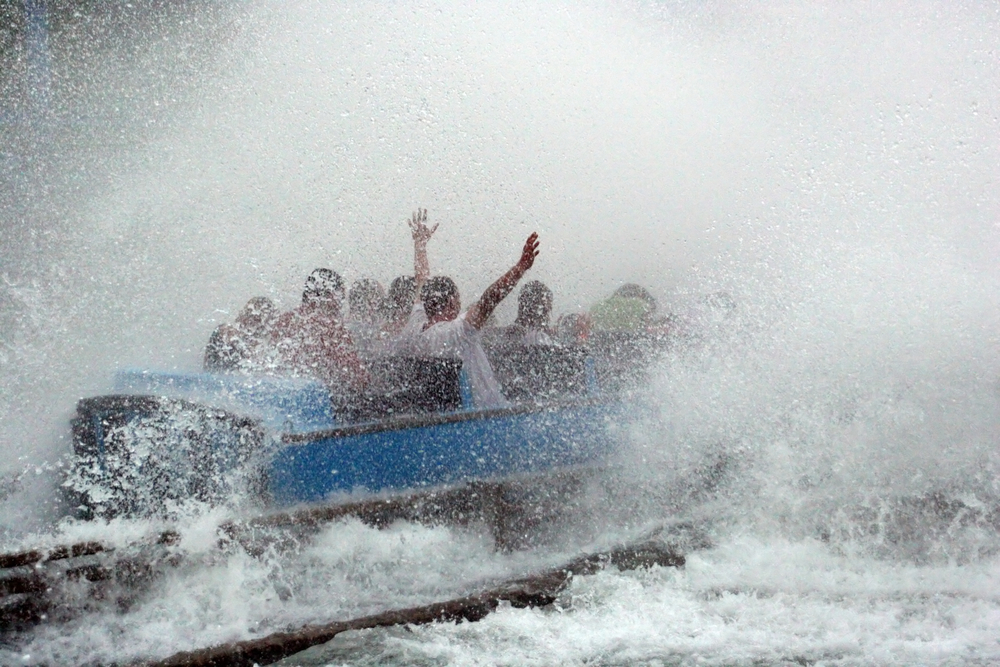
pixel 480 311
pixel 421 235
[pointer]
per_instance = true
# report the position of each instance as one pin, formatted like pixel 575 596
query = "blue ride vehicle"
pixel 165 438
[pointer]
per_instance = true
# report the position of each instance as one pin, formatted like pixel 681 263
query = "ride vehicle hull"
pixel 167 438
pixel 433 450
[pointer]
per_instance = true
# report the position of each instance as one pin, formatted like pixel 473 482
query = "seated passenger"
pixel 534 310
pixel 242 347
pixel 574 329
pixel 623 337
pixel 450 333
pixel 312 340
pixel 630 309
pixel 366 300
pixel 399 304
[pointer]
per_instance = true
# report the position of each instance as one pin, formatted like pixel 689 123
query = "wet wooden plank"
pixel 33 556
pixel 28 591
pixel 533 591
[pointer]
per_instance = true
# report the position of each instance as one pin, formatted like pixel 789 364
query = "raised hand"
pixel 481 310
pixel 529 252
pixel 418 227
pixel 421 235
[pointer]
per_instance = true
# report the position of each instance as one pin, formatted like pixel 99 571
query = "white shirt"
pixel 458 339
pixel 404 342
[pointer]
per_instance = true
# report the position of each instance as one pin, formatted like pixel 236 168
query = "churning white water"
pixel 834 169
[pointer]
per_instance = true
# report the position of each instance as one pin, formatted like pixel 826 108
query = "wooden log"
pixel 254 535
pixel 32 582
pixel 483 501
pixel 459 504
pixel 504 506
pixel 33 556
pixel 533 591
pixel 64 551
pixel 28 594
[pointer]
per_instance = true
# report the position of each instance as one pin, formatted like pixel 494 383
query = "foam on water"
pixel 348 571
pixel 833 169
pixel 748 602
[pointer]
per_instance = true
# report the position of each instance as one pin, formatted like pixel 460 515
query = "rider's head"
pixel 366 300
pixel 257 316
pixel 534 305
pixel 324 288
pixel 633 291
pixel 399 302
pixel 441 300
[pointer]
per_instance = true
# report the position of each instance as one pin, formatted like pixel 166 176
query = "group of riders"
pixel 422 316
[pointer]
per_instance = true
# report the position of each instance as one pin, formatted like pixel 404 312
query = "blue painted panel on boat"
pixel 290 405
pixel 494 444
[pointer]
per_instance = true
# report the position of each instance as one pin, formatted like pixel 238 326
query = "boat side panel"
pixel 284 404
pixel 442 453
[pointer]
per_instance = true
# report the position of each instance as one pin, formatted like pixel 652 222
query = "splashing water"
pixel 832 169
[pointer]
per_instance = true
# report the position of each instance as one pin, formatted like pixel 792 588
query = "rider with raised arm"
pixel 415 317
pixel 451 334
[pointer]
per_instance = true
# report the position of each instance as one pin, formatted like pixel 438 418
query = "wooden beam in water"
pixel 28 593
pixel 33 556
pixel 64 551
pixel 504 505
pixel 459 504
pixel 537 590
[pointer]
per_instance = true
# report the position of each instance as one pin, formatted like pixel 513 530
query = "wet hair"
pixel 323 285
pixel 534 304
pixel 399 301
pixel 259 314
pixel 436 294
pixel 633 291
pixel 365 298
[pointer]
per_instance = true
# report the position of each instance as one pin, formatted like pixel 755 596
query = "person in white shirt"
pixel 450 333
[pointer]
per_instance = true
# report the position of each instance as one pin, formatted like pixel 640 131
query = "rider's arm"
pixel 421 235
pixel 480 311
